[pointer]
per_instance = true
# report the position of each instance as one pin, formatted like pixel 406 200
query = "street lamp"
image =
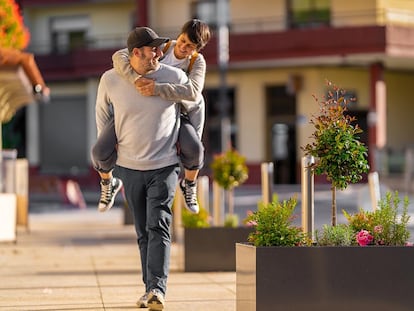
pixel 223 60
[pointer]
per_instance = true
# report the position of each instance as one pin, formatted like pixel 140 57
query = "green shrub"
pixel 339 235
pixel 191 220
pixel 231 221
pixel 273 225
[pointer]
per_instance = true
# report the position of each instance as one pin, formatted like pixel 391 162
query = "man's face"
pixel 149 58
pixel 184 47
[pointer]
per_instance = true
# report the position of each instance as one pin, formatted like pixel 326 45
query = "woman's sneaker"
pixel 189 189
pixel 109 189
pixel 143 301
pixel 156 300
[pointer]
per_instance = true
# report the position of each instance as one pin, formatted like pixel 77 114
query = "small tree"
pixel 337 147
pixel 229 171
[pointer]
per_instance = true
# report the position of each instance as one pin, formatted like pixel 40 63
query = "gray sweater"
pixel 146 127
pixel 188 94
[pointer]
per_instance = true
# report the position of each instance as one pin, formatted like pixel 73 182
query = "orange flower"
pixel 13 33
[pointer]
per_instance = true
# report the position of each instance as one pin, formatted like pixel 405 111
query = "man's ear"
pixel 136 52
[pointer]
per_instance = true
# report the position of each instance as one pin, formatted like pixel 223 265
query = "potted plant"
pixel 229 171
pixel 212 248
pixel 339 153
pixel 280 268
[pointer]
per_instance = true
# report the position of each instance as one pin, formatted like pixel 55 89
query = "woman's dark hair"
pixel 198 32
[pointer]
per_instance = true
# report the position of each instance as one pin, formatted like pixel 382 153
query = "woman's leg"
pixel 192 158
pixel 104 156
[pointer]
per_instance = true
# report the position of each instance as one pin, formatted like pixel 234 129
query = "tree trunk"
pixel 333 189
pixel 230 201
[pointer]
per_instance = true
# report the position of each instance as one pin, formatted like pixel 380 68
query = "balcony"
pixel 392 45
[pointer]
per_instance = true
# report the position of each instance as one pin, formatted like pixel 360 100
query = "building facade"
pixel 280 53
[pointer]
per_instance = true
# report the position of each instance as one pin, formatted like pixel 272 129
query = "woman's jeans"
pixel 191 149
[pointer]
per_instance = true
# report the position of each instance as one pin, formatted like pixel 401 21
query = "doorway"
pixel 281 134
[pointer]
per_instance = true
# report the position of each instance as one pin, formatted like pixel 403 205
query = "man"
pixel 147 131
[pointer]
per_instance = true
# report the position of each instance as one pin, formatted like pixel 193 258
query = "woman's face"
pixel 184 47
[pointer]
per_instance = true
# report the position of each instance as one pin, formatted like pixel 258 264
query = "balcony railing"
pixel 264 24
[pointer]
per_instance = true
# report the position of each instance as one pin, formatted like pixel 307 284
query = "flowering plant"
pixel 13 33
pixel 387 225
pixel 364 238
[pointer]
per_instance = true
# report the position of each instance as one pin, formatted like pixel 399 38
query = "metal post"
pixel 218 205
pixel 308 202
pixel 203 191
pixel 223 59
pixel 374 189
pixel 409 163
pixel 267 182
pixel 178 230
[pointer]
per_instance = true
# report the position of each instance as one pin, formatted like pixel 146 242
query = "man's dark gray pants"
pixel 150 195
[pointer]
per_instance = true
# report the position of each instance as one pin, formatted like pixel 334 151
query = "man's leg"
pixel 160 195
pixel 135 193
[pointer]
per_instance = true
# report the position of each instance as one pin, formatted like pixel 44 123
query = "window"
pixel 206 10
pixel 69 32
pixel 308 13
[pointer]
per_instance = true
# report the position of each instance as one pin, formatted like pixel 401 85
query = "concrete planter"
pixel 324 278
pixel 8 214
pixel 212 249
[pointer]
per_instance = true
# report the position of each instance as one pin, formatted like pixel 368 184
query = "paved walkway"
pixel 85 260
pixel 80 259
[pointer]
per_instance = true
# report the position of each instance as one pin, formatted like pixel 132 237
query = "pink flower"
pixel 364 238
pixel 251 223
pixel 409 244
pixel 378 229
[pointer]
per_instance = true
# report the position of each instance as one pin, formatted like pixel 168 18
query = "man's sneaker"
pixel 156 300
pixel 109 189
pixel 189 189
pixel 143 301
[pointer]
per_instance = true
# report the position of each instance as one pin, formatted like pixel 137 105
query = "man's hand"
pixel 145 86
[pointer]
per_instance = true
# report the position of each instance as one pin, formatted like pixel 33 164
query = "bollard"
pixel 178 230
pixel 374 189
pixel 203 192
pixel 22 192
pixel 267 182
pixel 308 192
pixel 408 170
pixel 218 205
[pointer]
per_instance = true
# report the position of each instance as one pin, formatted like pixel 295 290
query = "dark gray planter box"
pixel 324 278
pixel 212 249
